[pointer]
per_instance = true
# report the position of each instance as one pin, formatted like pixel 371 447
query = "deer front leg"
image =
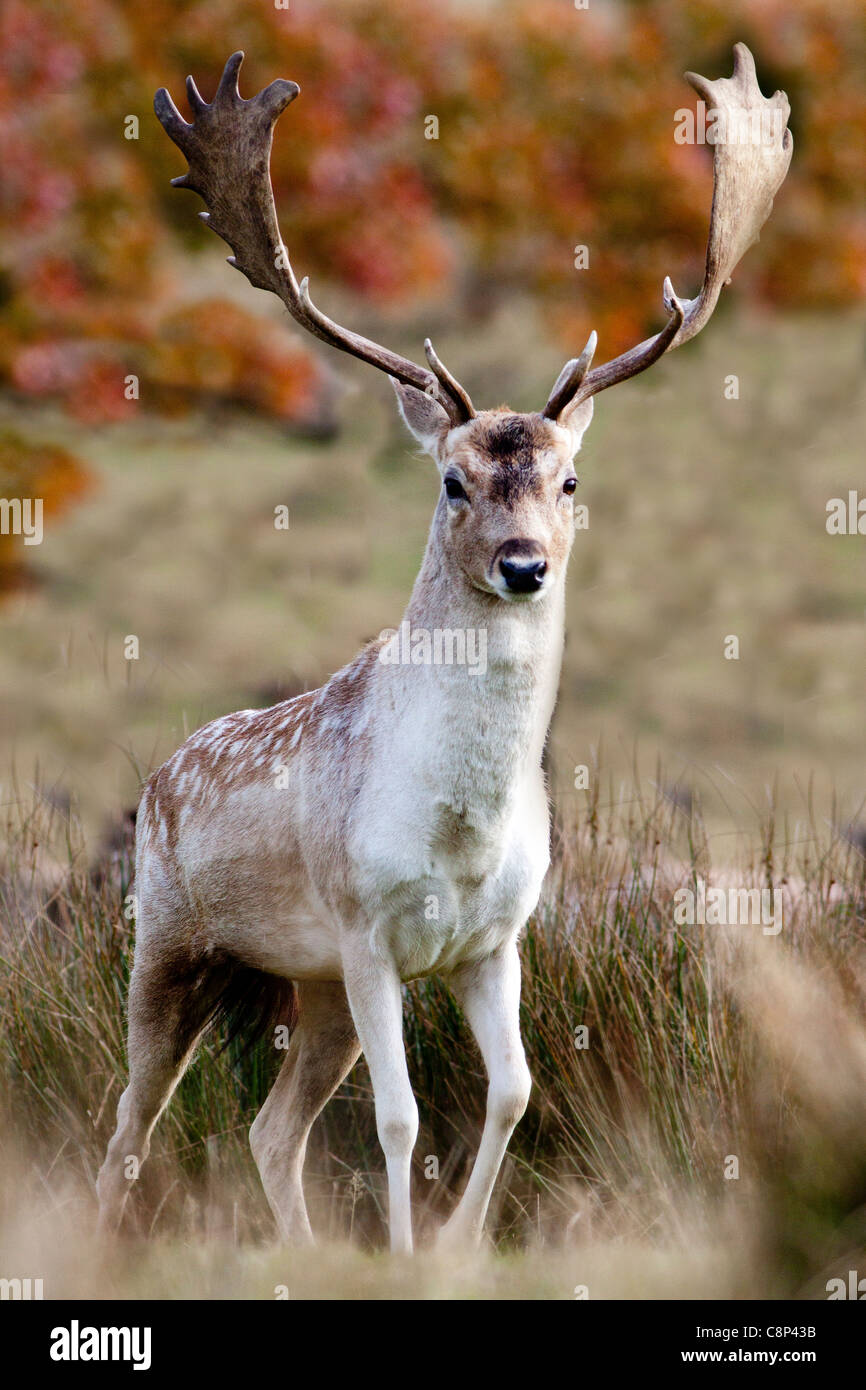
pixel 373 991
pixel 489 994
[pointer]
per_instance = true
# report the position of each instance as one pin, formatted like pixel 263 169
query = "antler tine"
pixel 570 378
pixel 747 174
pixel 637 359
pixel 228 149
pixel 450 383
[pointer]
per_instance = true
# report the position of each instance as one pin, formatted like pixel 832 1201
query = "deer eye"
pixel 569 485
pixel 454 489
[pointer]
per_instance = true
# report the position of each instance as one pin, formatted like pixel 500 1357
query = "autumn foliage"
pixel 553 128
pixel 43 471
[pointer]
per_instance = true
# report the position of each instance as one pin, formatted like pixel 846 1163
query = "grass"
pixel 705 1044
pixel 707 518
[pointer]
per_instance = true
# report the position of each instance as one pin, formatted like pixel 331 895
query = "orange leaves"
pixel 214 349
pixel 554 129
pixel 44 480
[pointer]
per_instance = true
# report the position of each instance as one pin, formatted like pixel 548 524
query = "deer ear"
pixel 576 419
pixel 424 416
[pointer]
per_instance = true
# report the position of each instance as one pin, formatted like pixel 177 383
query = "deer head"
pixel 505 514
pixel 505 518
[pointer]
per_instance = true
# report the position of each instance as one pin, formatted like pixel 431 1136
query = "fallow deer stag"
pixel 294 853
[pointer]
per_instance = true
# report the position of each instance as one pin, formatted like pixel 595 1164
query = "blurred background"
pixel 555 130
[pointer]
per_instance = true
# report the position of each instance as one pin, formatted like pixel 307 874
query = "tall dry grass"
pixel 705 1045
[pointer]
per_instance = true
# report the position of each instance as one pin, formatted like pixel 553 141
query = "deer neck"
pixel 493 711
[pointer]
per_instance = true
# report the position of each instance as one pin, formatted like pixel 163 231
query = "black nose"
pixel 523 576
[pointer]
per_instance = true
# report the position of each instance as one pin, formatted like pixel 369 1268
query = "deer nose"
pixel 523 575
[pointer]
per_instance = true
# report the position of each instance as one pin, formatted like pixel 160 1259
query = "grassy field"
pixel 707 518
pixel 706 1141
pixel 705 1043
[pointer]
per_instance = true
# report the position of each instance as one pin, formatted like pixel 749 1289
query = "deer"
pixel 287 859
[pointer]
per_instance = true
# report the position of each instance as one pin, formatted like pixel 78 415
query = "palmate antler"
pixel 747 175
pixel 228 149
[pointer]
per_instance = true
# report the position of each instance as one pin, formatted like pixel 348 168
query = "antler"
pixel 747 175
pixel 228 149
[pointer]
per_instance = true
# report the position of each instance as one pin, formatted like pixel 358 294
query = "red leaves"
pixel 555 129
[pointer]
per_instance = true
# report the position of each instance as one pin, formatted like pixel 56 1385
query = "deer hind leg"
pixel 165 1021
pixel 323 1049
pixel 489 994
